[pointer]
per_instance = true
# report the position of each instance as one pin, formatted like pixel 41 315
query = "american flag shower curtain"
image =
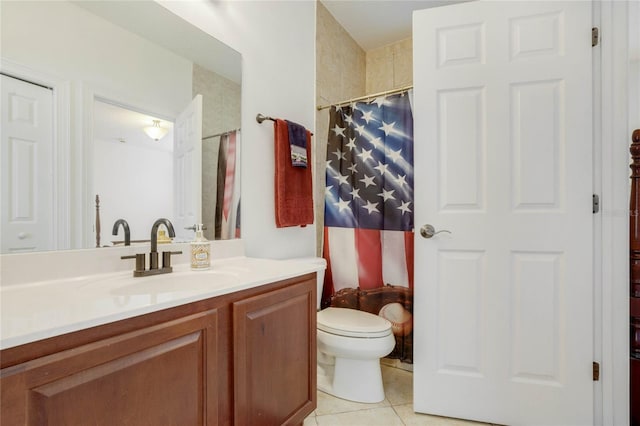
pixel 368 234
pixel 227 219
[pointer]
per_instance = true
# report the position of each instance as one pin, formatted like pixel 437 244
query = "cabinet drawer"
pixel 150 376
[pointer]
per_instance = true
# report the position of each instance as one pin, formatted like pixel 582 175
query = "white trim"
pixel 597 222
pixel 61 144
pixel 614 182
pixel 62 132
pixel 85 114
pixel 111 100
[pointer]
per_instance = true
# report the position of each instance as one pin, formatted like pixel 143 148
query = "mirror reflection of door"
pixel 187 169
pixel 139 178
pixel 132 172
pixel 27 167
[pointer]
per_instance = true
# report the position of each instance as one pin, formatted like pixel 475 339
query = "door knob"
pixel 428 231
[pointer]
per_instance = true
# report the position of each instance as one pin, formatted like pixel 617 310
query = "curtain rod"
pixel 221 134
pixel 361 98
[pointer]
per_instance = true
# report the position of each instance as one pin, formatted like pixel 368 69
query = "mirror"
pixel 106 70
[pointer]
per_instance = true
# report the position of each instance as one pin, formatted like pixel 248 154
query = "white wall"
pixel 277 43
pixel 135 184
pixel 59 38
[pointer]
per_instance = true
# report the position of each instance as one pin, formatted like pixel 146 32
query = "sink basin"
pixel 177 282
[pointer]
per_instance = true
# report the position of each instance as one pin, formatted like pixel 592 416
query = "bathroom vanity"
pixel 240 351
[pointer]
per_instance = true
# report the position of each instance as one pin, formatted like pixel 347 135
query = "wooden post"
pixel 634 215
pixel 634 280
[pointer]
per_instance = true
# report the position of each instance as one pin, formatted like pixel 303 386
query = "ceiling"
pixel 375 23
pixel 154 22
pixel 116 124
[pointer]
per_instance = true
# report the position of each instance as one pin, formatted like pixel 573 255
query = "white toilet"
pixel 350 345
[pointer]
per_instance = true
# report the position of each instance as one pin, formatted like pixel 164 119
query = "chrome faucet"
pixel 125 226
pixel 140 270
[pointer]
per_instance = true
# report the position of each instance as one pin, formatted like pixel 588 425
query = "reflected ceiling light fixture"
pixel 155 132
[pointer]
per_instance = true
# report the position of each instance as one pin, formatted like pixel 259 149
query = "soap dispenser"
pixel 200 250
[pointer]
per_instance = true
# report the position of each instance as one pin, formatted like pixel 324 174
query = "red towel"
pixel 294 187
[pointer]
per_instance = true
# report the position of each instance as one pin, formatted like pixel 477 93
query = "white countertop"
pixel 35 311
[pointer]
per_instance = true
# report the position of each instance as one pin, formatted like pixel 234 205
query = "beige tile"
pixel 403 63
pixel 340 62
pixel 221 101
pixel 380 69
pixel 372 417
pixel 409 418
pixel 397 364
pixel 390 67
pixel 310 421
pixel 328 404
pixel 403 48
pixel 398 385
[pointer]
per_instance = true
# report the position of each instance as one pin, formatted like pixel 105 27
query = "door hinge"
pixel 595 203
pixel 596 371
pixel 595 36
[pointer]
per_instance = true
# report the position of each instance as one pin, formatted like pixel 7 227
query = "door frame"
pixel 61 110
pixel 612 121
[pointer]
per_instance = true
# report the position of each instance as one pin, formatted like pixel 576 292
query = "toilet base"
pixel 340 380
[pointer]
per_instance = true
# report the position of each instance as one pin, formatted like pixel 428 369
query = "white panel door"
pixel 187 169
pixel 503 160
pixel 27 167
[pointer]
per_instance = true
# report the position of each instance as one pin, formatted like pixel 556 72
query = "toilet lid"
pixel 352 323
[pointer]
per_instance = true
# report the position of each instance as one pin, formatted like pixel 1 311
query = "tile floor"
pixel 396 409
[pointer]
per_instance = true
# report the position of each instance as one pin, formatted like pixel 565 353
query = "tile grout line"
pixel 398 415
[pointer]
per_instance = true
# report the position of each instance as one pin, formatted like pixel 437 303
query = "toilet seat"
pixel 352 323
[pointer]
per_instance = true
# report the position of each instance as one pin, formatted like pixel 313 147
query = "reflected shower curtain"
pixel 227 219
pixel 368 234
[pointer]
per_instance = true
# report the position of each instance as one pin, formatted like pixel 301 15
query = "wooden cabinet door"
pixel 152 376
pixel 274 338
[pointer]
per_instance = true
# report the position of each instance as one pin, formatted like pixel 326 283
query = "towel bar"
pixel 260 118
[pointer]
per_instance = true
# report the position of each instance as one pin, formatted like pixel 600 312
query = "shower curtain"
pixel 227 215
pixel 368 234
